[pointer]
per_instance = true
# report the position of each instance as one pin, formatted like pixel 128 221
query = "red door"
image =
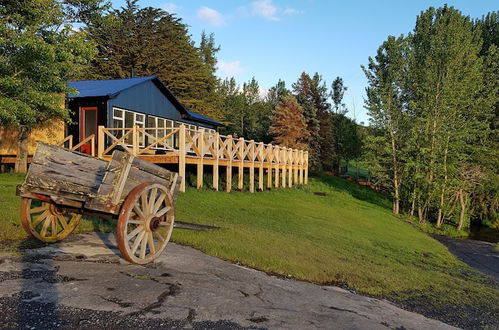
pixel 88 126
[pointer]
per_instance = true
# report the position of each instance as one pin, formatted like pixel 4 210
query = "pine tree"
pixel 302 89
pixel 151 41
pixel 288 124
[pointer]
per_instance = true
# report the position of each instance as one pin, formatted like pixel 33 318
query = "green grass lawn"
pixel 347 237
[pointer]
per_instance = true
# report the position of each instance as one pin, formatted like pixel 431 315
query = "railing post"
pixel 277 159
pixel 270 160
pixel 306 167
pixel 240 172
pixel 284 162
pixel 181 156
pixel 92 145
pixel 295 165
pixel 135 141
pixel 200 159
pixel 261 152
pixel 252 166
pixel 70 142
pixel 301 166
pixel 216 147
pixel 100 141
pixel 228 173
pixel 289 157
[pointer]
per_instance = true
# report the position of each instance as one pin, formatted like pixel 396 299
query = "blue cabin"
pixel 123 103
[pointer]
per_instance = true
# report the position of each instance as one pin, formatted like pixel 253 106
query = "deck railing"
pixel 284 166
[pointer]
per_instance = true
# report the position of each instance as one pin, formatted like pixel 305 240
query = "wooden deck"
pixel 283 167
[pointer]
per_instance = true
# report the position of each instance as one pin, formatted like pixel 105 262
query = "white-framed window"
pixel 158 122
pixel 126 119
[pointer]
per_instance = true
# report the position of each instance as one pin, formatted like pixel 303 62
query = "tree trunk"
pixel 420 214
pixel 21 165
pixel 463 209
pixel 413 207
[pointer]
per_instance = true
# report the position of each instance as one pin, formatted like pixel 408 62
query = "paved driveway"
pixel 82 282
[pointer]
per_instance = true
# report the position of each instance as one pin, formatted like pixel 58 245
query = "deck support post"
pixel 270 159
pixel 200 164
pixel 261 155
pixel 252 166
pixel 135 140
pixel 277 158
pixel 228 177
pixel 306 167
pixel 216 147
pixel 240 169
pixel 181 156
pixel 100 141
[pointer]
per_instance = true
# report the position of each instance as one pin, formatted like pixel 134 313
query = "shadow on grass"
pixel 359 192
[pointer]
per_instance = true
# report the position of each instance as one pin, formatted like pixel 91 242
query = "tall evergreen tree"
pixel 302 90
pixel 151 41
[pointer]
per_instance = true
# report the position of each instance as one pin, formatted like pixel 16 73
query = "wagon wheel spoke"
pixel 139 211
pixel 62 220
pixel 143 247
pixel 45 227
pixel 152 200
pixel 162 211
pixel 158 203
pixel 40 218
pixel 159 236
pixel 38 209
pixel 150 240
pixel 135 232
pixel 137 241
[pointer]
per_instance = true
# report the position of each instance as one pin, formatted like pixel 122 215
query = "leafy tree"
pixel 446 82
pixel 339 122
pixel 276 93
pixel 386 108
pixel 39 53
pixel 288 124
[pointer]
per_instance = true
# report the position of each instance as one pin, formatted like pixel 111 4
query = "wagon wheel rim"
pixel 145 223
pixel 45 221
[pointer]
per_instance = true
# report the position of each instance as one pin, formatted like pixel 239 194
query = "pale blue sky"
pixel 272 39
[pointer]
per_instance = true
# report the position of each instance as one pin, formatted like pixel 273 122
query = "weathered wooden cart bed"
pixel 61 185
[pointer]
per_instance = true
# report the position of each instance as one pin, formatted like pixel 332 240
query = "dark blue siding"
pixel 145 98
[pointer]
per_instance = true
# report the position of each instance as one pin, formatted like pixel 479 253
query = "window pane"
pixel 151 121
pixel 139 118
pixel 129 124
pixel 117 113
pixel 118 123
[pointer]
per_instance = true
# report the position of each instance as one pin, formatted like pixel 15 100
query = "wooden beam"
pixel 277 159
pixel 228 177
pixel 261 151
pixel 200 147
pixel 284 161
pixel 290 166
pixel 181 157
pixel 135 141
pixel 252 156
pixel 240 172
pixel 100 141
pixel 306 167
pixel 216 146
pixel 301 166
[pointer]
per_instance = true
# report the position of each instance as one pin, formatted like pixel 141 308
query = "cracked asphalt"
pixel 83 283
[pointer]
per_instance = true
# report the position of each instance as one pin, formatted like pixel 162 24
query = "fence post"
pixel 289 152
pixel 252 166
pixel 240 172
pixel 270 160
pixel 284 162
pixel 181 157
pixel 135 141
pixel 200 159
pixel 228 173
pixel 261 152
pixel 216 147
pixel 301 166
pixel 100 141
pixel 277 159
pixel 306 167
pixel 295 164
pixel 92 145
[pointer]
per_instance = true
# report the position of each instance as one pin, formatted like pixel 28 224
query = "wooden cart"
pixel 62 185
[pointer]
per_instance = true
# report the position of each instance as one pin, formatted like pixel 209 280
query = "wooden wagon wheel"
pixel 45 221
pixel 145 223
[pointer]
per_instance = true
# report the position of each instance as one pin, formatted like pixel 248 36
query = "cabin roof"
pixel 110 88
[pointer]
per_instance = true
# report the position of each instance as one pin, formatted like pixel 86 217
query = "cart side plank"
pixel 60 171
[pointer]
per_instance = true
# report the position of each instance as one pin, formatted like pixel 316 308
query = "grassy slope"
pixel 348 237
